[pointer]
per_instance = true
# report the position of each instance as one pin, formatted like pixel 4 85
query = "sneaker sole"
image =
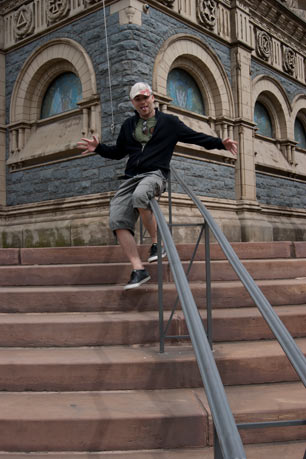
pixel 130 286
pixel 155 257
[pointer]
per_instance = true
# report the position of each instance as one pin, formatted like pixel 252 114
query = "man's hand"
pixel 88 145
pixel 231 145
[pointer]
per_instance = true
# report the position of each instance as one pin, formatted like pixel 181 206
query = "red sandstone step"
pixel 114 273
pixel 114 298
pixel 128 368
pixel 101 421
pixel 79 329
pixel 114 254
pixel 300 249
pixel 258 269
pixel 98 328
pixel 288 450
pixel 136 420
pixel 9 257
pixel 264 403
pixel 239 324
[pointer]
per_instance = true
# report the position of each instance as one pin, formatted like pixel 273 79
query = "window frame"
pixel 197 86
pixel 29 144
pixel 301 117
pixel 46 92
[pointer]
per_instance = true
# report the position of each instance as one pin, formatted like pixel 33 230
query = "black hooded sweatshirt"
pixel 157 152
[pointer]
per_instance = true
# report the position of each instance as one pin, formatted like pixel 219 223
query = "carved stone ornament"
pixel 263 45
pixel 289 60
pixel 57 9
pixel 23 21
pixel 206 11
pixel 167 2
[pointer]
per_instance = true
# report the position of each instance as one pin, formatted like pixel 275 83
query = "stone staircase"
pixel 81 375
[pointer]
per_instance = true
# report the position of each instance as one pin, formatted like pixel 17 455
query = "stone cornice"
pixel 275 18
pixel 272 17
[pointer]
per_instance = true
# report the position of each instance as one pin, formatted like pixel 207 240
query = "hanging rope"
pixel 109 72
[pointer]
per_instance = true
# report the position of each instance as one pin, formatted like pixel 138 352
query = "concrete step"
pixel 103 329
pixel 114 298
pixel 119 273
pixel 129 368
pixel 287 450
pixel 135 420
pixel 114 254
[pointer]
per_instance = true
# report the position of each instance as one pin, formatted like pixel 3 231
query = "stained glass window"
pixel 184 91
pixel 299 133
pixel 62 95
pixel 263 120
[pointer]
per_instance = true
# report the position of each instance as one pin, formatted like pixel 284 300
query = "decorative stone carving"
pixel 167 3
pixel 263 45
pixel 289 60
pixel 206 11
pixel 23 21
pixel 57 9
pixel 130 12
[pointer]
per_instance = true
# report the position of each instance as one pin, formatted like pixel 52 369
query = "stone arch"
pixel 270 93
pixel 191 54
pixel 298 106
pixel 46 63
pixel 36 141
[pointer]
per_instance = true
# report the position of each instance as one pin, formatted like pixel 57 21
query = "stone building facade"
pixel 242 55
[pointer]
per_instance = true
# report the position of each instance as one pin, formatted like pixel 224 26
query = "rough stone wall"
pixel 132 52
pixel 280 191
pixel 204 178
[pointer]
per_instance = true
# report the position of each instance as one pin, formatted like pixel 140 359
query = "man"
pixel 148 139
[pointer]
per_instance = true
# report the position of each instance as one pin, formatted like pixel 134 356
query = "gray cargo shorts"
pixel 134 193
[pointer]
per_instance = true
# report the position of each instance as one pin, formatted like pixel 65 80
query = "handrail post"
pixel 160 294
pixel 208 286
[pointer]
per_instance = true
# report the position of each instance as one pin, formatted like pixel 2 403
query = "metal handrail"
pixel 294 354
pixel 226 429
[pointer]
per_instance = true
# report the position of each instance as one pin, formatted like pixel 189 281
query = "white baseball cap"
pixel 140 88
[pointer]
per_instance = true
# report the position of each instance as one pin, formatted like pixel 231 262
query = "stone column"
pixel 2 118
pixel 244 127
pixel 254 226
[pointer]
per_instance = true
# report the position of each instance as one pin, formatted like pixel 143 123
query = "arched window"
pixel 184 91
pixel 62 95
pixel 299 133
pixel 263 120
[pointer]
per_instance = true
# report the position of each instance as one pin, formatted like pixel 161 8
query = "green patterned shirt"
pixel 144 130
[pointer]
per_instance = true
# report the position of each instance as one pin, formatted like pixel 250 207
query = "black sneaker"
pixel 153 256
pixel 138 277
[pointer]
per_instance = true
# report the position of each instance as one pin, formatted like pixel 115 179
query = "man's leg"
pixel 129 246
pixel 151 186
pixel 149 223
pixel 139 275
pixel 123 217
